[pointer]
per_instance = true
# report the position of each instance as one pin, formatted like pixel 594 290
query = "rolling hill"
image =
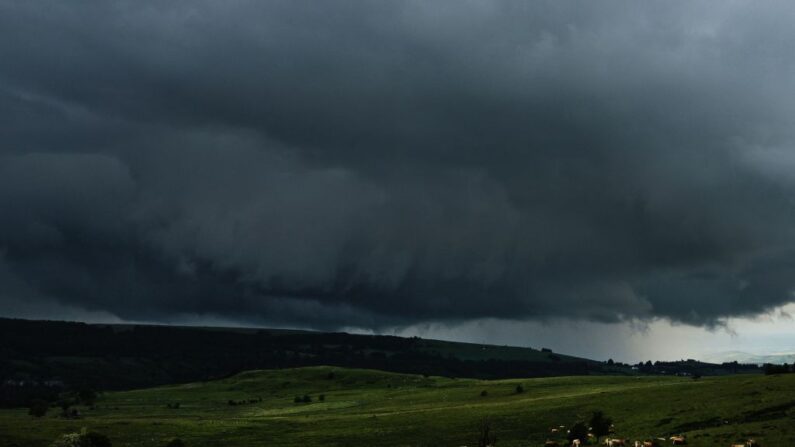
pixel 114 357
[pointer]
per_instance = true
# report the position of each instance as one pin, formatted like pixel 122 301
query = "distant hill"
pixel 109 356
pixel 37 358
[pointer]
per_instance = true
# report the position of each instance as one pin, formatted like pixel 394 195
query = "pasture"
pixel 369 408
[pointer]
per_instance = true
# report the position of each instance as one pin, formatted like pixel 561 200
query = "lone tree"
pixel 600 425
pixel 578 431
pixel 519 389
pixel 485 437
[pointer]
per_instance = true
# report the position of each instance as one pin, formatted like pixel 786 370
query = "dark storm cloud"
pixel 376 164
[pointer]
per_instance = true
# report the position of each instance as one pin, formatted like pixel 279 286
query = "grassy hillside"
pixel 116 357
pixel 366 408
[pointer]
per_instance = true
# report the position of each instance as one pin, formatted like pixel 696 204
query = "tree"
pixel 485 436
pixel 600 425
pixel 306 399
pixel 176 442
pixel 484 393
pixel 38 408
pixel 519 389
pixel 322 398
pixel 578 431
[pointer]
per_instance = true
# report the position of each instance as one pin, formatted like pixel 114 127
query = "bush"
pixel 83 439
pixel 322 398
pixel 306 399
pixel 297 399
pixel 38 408
pixel 94 439
pixel 600 424
pixel 176 442
pixel 484 393
pixel 519 389
pixel 578 431
pixel 68 440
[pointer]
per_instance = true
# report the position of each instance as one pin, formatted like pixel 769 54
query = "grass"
pixel 367 408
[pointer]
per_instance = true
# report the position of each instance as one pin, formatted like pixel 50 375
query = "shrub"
pixel 519 389
pixel 600 424
pixel 322 398
pixel 83 439
pixel 176 442
pixel 578 431
pixel 484 393
pixel 68 440
pixel 306 399
pixel 38 408
pixel 65 404
pixel 94 439
pixel 297 399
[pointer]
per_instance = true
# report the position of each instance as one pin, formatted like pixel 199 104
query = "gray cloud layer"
pixel 378 164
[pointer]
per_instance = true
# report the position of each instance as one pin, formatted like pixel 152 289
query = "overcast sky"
pixel 490 171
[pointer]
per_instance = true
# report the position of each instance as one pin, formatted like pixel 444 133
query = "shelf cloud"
pixel 387 164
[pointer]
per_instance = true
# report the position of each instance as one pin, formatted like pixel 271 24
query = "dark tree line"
pixel 770 368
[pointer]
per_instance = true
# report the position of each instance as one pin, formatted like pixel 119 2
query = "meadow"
pixel 373 408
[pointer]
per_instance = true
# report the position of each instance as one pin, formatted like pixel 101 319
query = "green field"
pixel 373 408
